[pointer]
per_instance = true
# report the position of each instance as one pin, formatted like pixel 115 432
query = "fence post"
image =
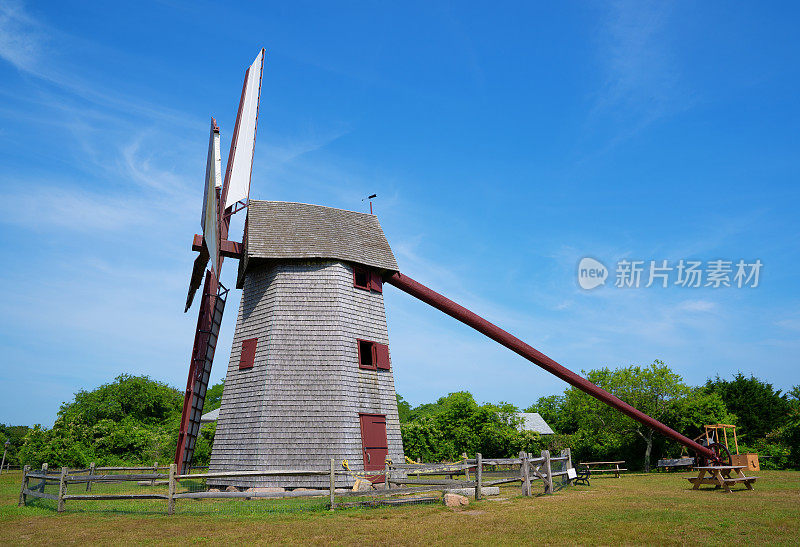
pixel 22 496
pixel 478 475
pixel 173 470
pixel 548 472
pixel 567 465
pixel 466 466
pixel 526 473
pixel 62 489
pixel 386 484
pixel 89 482
pixel 44 472
pixel 155 470
pixel 333 484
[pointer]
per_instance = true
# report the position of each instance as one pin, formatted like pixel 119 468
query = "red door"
pixel 374 445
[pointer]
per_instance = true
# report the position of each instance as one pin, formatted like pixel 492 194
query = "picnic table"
pixel 721 477
pixel 593 467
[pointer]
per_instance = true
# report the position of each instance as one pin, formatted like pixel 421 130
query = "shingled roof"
pixel 283 230
pixel 533 421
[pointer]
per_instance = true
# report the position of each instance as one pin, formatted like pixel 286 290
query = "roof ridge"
pixel 313 205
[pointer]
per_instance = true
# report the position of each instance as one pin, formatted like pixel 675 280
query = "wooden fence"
pixel 399 480
pixel 486 471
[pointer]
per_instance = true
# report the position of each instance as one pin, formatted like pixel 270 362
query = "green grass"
pixel 653 509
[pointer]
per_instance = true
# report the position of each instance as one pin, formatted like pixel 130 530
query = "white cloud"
pixel 20 38
pixel 43 207
pixel 697 305
pixel 790 324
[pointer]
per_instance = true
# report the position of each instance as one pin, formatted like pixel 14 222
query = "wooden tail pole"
pixel 441 303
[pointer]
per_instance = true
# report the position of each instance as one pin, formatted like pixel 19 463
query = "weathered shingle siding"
pixel 299 405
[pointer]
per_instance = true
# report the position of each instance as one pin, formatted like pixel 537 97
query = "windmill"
pixel 310 375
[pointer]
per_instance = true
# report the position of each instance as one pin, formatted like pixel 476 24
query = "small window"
pixel 366 354
pixel 248 354
pixel 372 355
pixel 366 279
pixel 361 278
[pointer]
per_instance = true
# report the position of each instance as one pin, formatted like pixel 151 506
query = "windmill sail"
pixel 210 219
pixel 244 136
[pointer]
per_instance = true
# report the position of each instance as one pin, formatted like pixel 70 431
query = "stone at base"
pixel 266 489
pixel 213 489
pixel 362 485
pixel 470 492
pixel 231 489
pixel 455 500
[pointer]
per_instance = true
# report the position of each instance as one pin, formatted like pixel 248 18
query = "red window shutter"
pixel 382 356
pixel 375 282
pixel 248 354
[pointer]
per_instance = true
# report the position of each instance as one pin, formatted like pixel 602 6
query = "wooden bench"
pixel 671 463
pixel 720 477
pixel 592 466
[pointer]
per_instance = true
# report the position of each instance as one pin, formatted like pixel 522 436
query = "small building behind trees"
pixel 533 421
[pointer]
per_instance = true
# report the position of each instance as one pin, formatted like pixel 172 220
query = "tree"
pixel 15 434
pixel 214 397
pixel 131 420
pixel 456 424
pixel 403 409
pixel 601 431
pixel 758 407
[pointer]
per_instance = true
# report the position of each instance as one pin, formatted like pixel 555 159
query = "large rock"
pixel 470 492
pixel 266 489
pixel 455 500
pixel 362 485
pixel 231 489
pixel 213 489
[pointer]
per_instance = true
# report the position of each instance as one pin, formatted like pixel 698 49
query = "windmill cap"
pixel 280 230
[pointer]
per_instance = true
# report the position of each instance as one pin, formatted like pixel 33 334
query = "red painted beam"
pixel 441 303
pixel 228 249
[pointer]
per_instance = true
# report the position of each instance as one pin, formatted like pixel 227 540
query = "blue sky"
pixel 506 141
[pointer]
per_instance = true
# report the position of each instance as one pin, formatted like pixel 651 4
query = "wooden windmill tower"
pixel 310 375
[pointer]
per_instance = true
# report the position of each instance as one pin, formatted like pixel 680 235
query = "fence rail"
pixel 399 480
pixel 526 468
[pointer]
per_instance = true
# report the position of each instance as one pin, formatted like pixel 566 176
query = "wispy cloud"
pixel 43 207
pixel 641 80
pixel 697 305
pixel 20 37
pixel 640 71
pixel 27 44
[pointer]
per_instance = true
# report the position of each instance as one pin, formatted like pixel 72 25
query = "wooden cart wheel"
pixel 723 455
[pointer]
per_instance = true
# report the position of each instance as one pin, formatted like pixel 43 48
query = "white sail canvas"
pixel 245 138
pixel 210 219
